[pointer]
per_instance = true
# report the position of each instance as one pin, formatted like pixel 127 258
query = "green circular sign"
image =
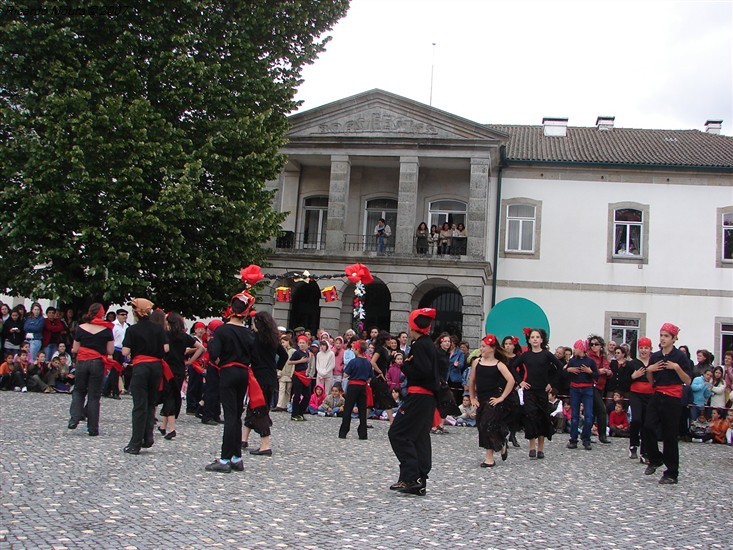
pixel 509 317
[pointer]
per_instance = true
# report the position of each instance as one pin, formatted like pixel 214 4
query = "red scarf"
pixel 369 392
pixel 99 320
pixel 88 354
pixel 256 397
pixel 167 372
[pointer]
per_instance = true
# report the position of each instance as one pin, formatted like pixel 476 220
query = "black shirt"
pixel 538 368
pixel 421 365
pixel 97 342
pixel 298 354
pixel 145 338
pixel 176 356
pixel 267 362
pixel 232 344
pixel 669 377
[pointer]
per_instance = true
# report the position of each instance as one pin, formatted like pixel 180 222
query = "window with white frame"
pixel 447 211
pixel 521 221
pixel 725 237
pixel 315 216
pixel 377 209
pixel 724 339
pixel 628 232
pixel 625 328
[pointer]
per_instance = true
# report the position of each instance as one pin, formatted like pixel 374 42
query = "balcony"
pixel 367 244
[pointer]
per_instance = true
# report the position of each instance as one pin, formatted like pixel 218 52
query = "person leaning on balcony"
pixel 460 240
pixel 446 237
pixel 421 238
pixel 434 239
pixel 382 232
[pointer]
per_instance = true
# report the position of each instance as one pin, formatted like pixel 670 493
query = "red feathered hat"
pixel 420 319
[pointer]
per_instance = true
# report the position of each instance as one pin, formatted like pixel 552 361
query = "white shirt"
pixel 118 331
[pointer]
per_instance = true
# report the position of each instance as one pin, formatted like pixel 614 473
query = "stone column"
pixel 478 212
pixel 338 198
pixel 406 205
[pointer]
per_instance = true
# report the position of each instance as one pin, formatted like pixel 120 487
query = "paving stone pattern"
pixel 63 489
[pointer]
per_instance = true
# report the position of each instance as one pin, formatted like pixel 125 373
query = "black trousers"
pixel 212 402
pixel 600 414
pixel 111 386
pixel 195 390
pixel 663 417
pixel 355 394
pixel 232 388
pixel 301 396
pixel 639 403
pixel 87 385
pixel 409 436
pixel 144 388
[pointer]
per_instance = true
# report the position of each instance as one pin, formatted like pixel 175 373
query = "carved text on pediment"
pixel 378 122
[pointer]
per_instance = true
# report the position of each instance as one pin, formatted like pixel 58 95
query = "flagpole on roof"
pixel 432 67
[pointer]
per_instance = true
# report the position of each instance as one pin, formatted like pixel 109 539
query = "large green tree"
pixel 135 143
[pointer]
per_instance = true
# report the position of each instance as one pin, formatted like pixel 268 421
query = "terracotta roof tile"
pixel 619 146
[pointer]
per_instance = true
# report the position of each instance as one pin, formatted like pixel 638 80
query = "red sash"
pixel 437 421
pixel 581 385
pixel 256 397
pixel 672 390
pixel 167 372
pixel 642 386
pixel 88 354
pixel 369 392
pixel 300 374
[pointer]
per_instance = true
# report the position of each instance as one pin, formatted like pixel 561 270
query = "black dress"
pixel 170 397
pixel 380 390
pixel 490 419
pixel 538 369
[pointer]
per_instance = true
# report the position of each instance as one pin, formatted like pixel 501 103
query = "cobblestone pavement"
pixel 63 489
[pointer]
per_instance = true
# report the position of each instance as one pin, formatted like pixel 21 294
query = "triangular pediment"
pixel 380 114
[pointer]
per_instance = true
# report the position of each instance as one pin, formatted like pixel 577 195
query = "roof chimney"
pixel 555 126
pixel 605 122
pixel 713 126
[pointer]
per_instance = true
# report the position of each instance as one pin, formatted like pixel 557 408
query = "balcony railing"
pixel 369 244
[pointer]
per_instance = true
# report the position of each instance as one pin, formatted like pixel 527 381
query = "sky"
pixel 650 63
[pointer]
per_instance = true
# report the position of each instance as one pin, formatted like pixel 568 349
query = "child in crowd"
pixel 700 427
pixel 6 372
pixel 468 413
pixel 394 373
pixel 583 373
pixel 318 397
pixel 567 412
pixel 556 411
pixel 729 431
pixel 618 421
pixel 718 427
pixel 397 396
pixel 333 405
pixel 617 398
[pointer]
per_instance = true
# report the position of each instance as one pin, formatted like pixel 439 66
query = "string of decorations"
pixel 358 274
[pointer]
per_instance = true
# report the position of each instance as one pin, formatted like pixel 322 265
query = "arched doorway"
pixel 449 304
pixel 306 306
pixel 377 302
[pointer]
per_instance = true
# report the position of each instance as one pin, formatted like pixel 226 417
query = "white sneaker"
pixel 16 388
pixel 24 390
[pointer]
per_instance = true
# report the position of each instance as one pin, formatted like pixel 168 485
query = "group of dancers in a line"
pixel 247 359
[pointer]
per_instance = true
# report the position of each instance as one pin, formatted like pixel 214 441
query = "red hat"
pixel 246 298
pixel 489 340
pixel 669 327
pixel 581 345
pixel 198 324
pixel 644 342
pixel 303 337
pixel 420 319
pixel 215 324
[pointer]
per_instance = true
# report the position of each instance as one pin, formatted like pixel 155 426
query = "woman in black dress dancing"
pixel 489 385
pixel 380 363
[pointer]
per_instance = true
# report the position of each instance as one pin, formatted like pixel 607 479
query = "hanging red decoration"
pixel 251 275
pixel 282 294
pixel 358 273
pixel 329 294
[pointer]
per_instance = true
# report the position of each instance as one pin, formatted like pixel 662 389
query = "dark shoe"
pixel 170 435
pixel 131 450
pixel 532 453
pixel 416 487
pixel 504 453
pixel 218 421
pixel 651 469
pixel 487 465
pixel 258 452
pixel 363 438
pixel 632 453
pixel 162 431
pixel 572 445
pixel 587 446
pixel 397 486
pixel 604 440
pixel 540 454
pixel 217 466
pixel 148 444
pixel 277 409
pixel 210 422
pixel 93 433
pixel 245 444
pixel 643 460
pixel 342 436
pixel 117 397
pixel 237 466
pixel 513 440
pixel 190 413
pixel 667 480
pixel 73 424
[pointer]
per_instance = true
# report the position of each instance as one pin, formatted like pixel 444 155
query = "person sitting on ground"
pixel 729 431
pixel 556 411
pixel 319 395
pixel 700 427
pixel 333 405
pixel 468 413
pixel 617 398
pixel 35 371
pixel 6 372
pixel 567 412
pixel 718 427
pixel 618 421
pixel 65 375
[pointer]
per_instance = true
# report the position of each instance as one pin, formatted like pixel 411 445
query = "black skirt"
pixel 537 420
pixel 382 395
pixel 492 426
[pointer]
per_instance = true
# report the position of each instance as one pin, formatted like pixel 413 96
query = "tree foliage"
pixel 135 144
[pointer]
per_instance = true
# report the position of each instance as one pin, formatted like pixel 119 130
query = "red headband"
pixel 669 327
pixel 419 317
pixel 215 324
pixel 644 342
